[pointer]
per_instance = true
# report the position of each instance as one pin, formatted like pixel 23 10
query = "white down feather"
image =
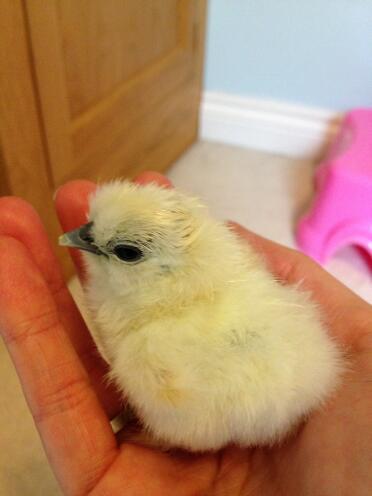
pixel 208 348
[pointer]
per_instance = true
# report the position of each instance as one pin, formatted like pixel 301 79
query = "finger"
pixel 71 422
pixel 339 304
pixel 292 266
pixel 72 206
pixel 20 221
pixel 153 177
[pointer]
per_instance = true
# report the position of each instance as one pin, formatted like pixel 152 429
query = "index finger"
pixel 20 221
pixel 72 424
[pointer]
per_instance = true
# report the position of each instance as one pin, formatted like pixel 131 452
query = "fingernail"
pixel 56 193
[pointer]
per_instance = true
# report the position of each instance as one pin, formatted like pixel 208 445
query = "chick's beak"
pixel 80 238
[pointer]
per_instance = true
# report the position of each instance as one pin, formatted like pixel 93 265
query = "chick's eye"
pixel 128 253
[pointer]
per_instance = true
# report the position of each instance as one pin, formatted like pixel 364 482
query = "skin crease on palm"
pixel 63 381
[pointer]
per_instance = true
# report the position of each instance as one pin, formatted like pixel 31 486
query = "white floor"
pixel 267 194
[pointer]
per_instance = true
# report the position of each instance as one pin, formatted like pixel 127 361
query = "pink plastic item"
pixel 341 213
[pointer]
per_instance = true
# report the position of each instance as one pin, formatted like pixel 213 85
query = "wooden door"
pixel 95 89
pixel 119 82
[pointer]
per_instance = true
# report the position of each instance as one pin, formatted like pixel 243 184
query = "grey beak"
pixel 80 238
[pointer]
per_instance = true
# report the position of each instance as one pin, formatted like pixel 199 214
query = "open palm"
pixel 63 380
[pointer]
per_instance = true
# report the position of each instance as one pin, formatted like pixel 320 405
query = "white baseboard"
pixel 271 126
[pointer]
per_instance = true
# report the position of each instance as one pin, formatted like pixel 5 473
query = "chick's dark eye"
pixel 128 253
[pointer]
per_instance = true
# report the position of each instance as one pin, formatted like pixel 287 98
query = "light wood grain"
pixel 24 168
pixel 51 86
pixel 118 68
pixel 106 43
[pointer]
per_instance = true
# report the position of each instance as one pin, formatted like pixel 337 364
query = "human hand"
pixel 63 380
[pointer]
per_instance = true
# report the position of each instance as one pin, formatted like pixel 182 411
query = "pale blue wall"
pixel 316 52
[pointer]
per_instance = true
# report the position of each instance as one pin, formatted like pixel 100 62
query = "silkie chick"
pixel 203 342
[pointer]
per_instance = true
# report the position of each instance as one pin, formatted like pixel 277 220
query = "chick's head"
pixel 137 235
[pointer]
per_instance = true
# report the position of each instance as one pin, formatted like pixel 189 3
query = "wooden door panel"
pixel 119 82
pixel 24 171
pixel 24 168
pixel 115 119
pixel 149 143
pixel 94 41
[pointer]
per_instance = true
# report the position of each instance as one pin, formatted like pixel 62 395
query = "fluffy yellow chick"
pixel 206 346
